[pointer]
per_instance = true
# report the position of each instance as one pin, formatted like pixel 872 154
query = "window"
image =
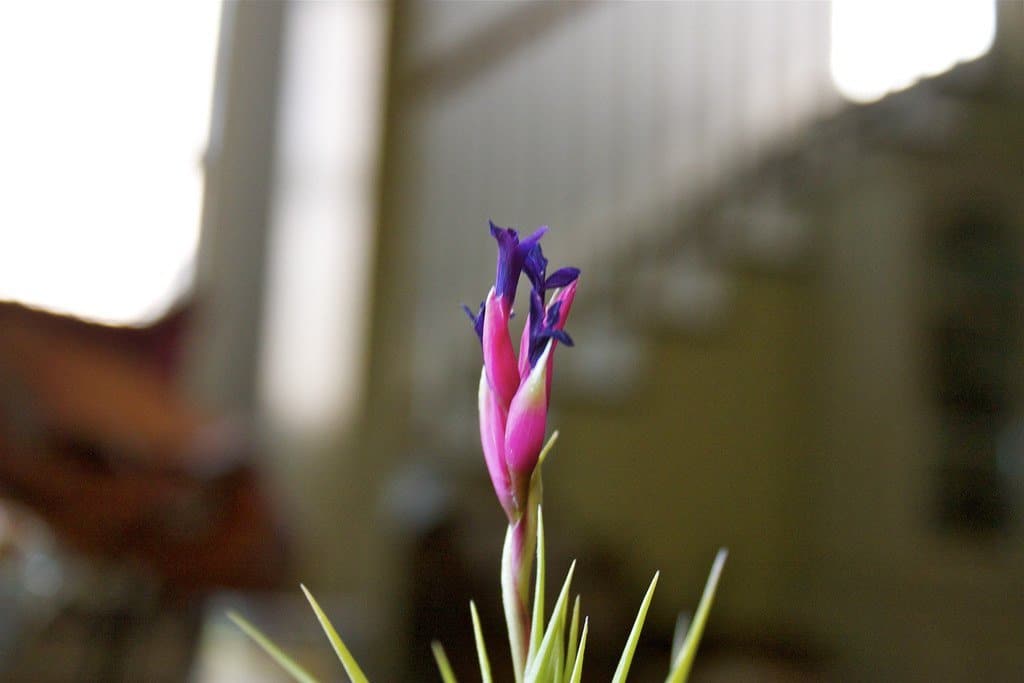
pixel 321 228
pixel 881 47
pixel 106 109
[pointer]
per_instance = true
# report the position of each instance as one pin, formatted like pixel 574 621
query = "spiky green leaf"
pixel 684 660
pixel 622 670
pixel 443 665
pixel 537 623
pixel 481 648
pixel 679 634
pixel 573 641
pixel 558 652
pixel 547 448
pixel 545 664
pixel 577 667
pixel 283 660
pixel 347 660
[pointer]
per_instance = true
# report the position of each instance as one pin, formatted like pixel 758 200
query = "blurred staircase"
pixel 695 161
pixel 610 122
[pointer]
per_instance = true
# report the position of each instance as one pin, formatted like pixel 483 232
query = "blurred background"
pixel 234 239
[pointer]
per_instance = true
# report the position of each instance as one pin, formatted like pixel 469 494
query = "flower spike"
pixel 514 392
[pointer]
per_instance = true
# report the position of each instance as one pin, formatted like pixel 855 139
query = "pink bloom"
pixel 514 392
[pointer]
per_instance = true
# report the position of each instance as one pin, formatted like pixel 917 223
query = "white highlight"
pixel 322 223
pixel 881 47
pixel 105 116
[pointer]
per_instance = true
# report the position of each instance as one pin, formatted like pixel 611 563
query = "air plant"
pixel 514 394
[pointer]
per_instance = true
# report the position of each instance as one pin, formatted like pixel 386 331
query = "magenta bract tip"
pixel 526 424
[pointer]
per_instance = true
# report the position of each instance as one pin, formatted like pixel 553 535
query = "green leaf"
pixel 558 646
pixel 574 632
pixel 577 667
pixel 679 634
pixel 442 663
pixel 537 624
pixel 622 670
pixel 286 662
pixel 347 660
pixel 544 665
pixel 684 660
pixel 547 448
pixel 481 648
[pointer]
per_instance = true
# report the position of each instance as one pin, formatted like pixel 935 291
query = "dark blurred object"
pixel 97 440
pixel 975 337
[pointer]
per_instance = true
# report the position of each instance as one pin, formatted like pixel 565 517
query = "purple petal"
pixel 507 276
pixel 562 277
pixel 562 336
pixel 535 266
pixel 478 319
pixel 512 254
pixel 552 316
pixel 536 346
pixel 534 239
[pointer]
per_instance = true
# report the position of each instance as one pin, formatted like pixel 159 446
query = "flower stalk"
pixel 516 565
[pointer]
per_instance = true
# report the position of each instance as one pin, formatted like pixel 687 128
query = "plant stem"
pixel 516 564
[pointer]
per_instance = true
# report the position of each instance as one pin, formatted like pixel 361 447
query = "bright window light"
pixel 105 116
pixel 322 222
pixel 879 47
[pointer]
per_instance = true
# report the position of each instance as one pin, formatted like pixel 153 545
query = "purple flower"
pixel 514 392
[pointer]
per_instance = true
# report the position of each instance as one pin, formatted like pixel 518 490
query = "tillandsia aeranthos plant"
pixel 514 394
pixel 513 404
